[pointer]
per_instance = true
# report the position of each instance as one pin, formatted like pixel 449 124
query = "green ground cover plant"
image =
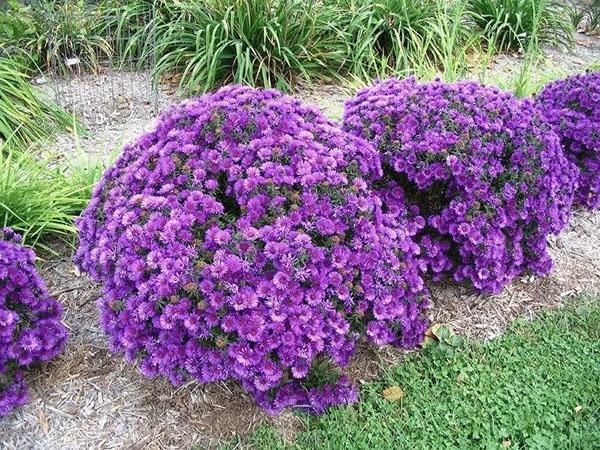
pixel 537 387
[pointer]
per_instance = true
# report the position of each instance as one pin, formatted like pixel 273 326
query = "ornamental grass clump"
pixel 483 169
pixel 572 106
pixel 30 327
pixel 239 240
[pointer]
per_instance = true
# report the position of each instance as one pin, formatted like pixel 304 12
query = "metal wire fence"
pixel 118 84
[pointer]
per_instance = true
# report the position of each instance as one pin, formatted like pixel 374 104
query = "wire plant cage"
pixel 100 61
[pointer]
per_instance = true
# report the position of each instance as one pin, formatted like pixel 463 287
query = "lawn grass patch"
pixel 538 386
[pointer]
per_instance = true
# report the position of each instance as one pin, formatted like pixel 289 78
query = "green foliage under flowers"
pixel 25 115
pixel 537 387
pixel 514 24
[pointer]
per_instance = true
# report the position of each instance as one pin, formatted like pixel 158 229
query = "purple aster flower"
pixel 483 168
pixel 30 328
pixel 240 239
pixel 572 107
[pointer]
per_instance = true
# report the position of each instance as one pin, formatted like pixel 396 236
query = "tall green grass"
pixel 36 200
pixel 514 24
pixel 378 37
pixel 270 43
pixel 405 37
pixel 281 43
pixel 529 80
pixel 65 31
pixel 129 28
pixel 278 43
pixel 584 14
pixel 25 114
pixel 447 45
pixel 593 16
pixel 41 196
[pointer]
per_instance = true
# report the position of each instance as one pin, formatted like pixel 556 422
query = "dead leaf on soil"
pixel 432 330
pixel 393 393
pixel 439 331
pixel 43 420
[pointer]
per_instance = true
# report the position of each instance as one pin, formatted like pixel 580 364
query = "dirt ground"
pixel 89 398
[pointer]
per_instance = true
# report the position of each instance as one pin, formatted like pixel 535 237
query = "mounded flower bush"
pixel 239 240
pixel 30 327
pixel 572 106
pixel 481 167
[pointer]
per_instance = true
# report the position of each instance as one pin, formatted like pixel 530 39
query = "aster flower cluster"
pixel 30 327
pixel 572 106
pixel 240 240
pixel 487 175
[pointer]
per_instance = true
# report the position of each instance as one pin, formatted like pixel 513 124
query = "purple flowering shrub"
pixel 483 170
pixel 30 327
pixel 239 240
pixel 572 106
